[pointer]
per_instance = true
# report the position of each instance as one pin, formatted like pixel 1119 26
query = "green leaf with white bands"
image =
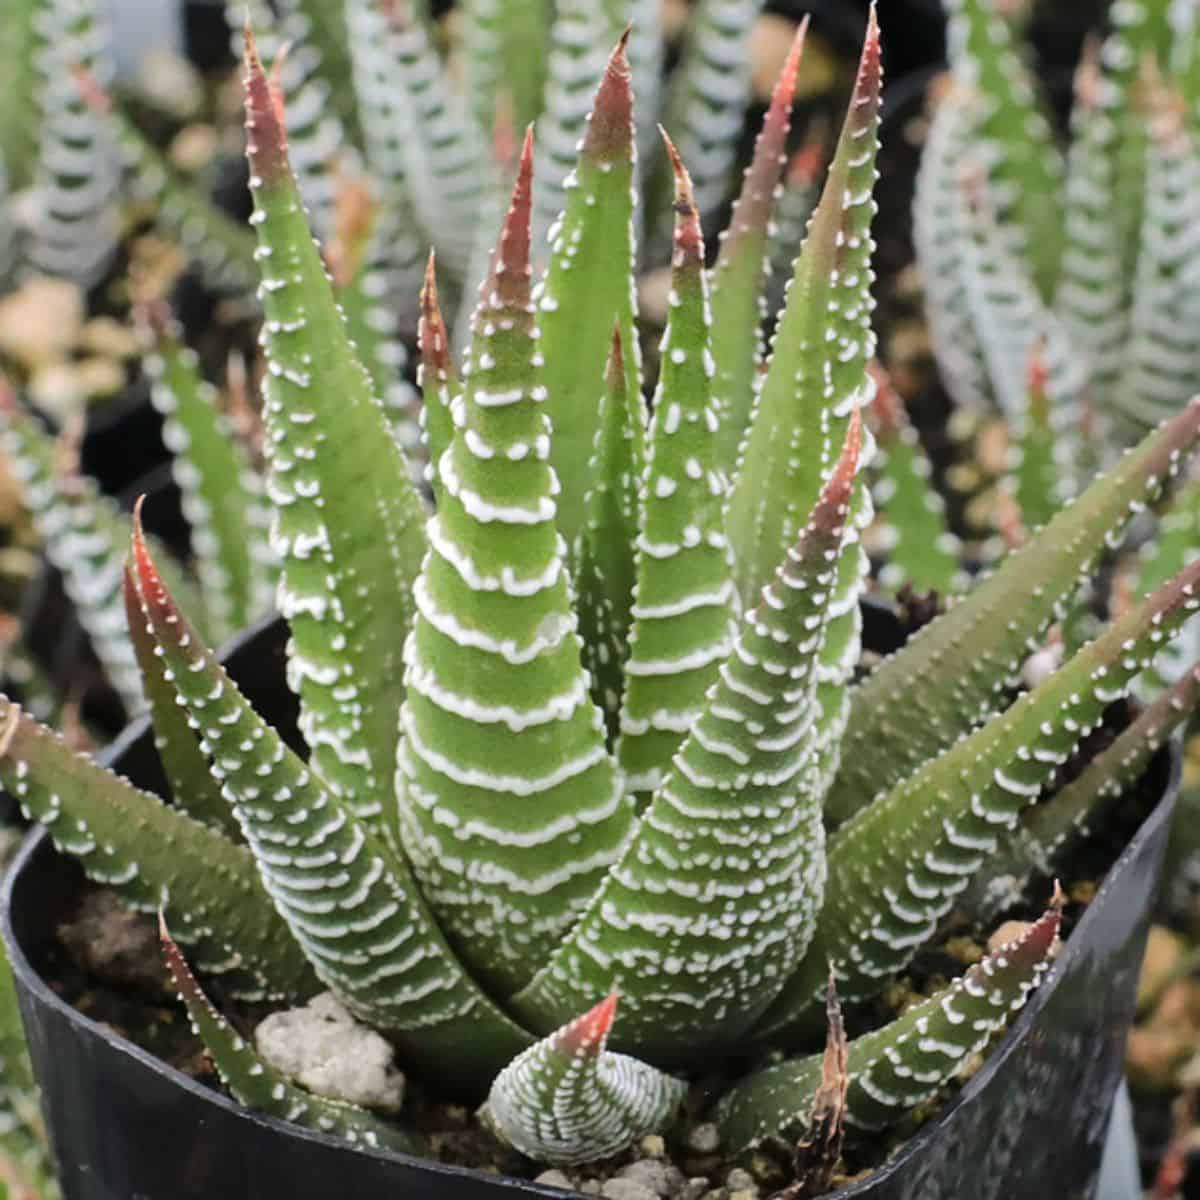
pixel 817 378
pixel 192 787
pixel 920 550
pixel 817 372
pixel 1013 137
pixel 315 131
pixel 511 809
pixel 743 266
pixel 897 1067
pixel 349 902
pixel 895 868
pixel 588 284
pixel 941 238
pixel 894 729
pixel 683 595
pixel 571 1100
pixel 1161 361
pixel 223 498
pixel 259 1086
pixel 717 892
pixel 155 857
pixel 346 584
pixel 77 178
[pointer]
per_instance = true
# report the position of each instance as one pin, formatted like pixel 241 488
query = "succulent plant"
pixel 1059 286
pixel 575 739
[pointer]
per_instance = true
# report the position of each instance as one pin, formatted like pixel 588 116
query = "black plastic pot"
pixel 1030 1124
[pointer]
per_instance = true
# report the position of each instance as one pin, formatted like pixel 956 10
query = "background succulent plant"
pixel 1081 263
pixel 576 738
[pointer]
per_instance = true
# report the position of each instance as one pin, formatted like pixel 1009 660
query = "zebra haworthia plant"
pixel 1080 265
pixel 575 738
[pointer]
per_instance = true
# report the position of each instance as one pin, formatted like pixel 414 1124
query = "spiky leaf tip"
pixel 153 856
pixel 895 1068
pixel 683 596
pixel 896 867
pixel 739 277
pixel 331 457
pixel 589 281
pixel 570 1100
pixel 511 807
pixel 817 370
pixel 258 1085
pixel 436 375
pixel 893 728
pixel 192 787
pixel 731 849
pixel 347 899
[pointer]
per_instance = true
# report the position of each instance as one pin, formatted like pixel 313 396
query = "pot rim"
pixel 31 980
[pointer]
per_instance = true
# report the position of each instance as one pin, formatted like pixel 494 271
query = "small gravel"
pixel 626 1189
pixel 704 1139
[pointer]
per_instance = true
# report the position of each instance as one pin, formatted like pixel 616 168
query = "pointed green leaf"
pixel 683 596
pixel 316 135
pixel 223 496
pixel 817 373
pixel 738 278
pixel 965 658
pixel 346 582
pixel 348 900
pixel 604 571
pixel 1038 480
pixel 155 857
pixel 718 889
pixel 511 808
pixel 1013 137
pixel 921 551
pixel 587 285
pixel 895 1068
pixel 186 767
pixel 259 1086
pixel 1082 805
pixel 437 377
pixel 895 868
pixel 570 1100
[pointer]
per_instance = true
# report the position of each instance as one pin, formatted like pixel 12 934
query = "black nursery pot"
pixel 124 1126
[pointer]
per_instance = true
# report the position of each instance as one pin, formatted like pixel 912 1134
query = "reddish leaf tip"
pixel 508 282
pixel 784 94
pixel 94 96
pixel 588 1033
pixel 266 132
pixel 609 135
